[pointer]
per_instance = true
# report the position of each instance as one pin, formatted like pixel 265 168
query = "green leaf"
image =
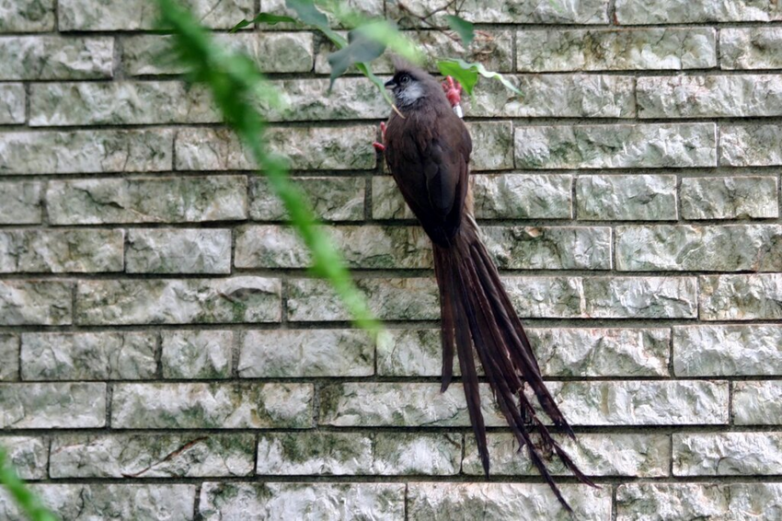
pixel 388 35
pixel 311 15
pixel 360 50
pixel 462 27
pixel 28 502
pixel 467 73
pixel 263 18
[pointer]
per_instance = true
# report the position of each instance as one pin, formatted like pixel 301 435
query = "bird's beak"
pixel 390 84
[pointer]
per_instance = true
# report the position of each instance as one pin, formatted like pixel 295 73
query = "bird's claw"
pixel 380 146
pixel 453 91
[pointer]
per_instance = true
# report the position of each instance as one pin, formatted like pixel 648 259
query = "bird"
pixel 427 148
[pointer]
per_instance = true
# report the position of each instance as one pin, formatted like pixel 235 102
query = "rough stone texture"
pixel 89 356
pixel 211 406
pixel 733 197
pixel 306 353
pixel 52 405
pixel 323 501
pixel 21 202
pixel 85 151
pixel 197 354
pixel 28 455
pixel 520 501
pixel 308 148
pixel 178 251
pixel 751 145
pixel 751 48
pixel 55 57
pixel 642 12
pixel 332 198
pixel 132 15
pixel 611 49
pixel 151 455
pixel 70 251
pixel 552 96
pixel 12 102
pixel 492 145
pixel 727 350
pixel 752 247
pixel 178 301
pixel 517 11
pixel 9 354
pixel 496 196
pixel 41 302
pixel 642 455
pixel 617 146
pixel 741 297
pixel 27 16
pixel 691 501
pixel 309 100
pixel 353 453
pixel 368 8
pixel 272 52
pixel 626 197
pixel 727 454
pixel 757 403
pixel 147 200
pixel 110 501
pixel 710 96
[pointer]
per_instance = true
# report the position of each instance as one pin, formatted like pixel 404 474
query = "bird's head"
pixel 412 86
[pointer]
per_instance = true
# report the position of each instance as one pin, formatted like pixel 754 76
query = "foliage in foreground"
pixel 28 502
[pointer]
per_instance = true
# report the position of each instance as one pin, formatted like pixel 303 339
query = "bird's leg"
pixel 453 91
pixel 380 146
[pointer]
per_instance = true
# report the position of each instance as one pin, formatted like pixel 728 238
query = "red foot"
pixel 453 91
pixel 380 146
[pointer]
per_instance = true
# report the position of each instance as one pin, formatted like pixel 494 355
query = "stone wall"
pixel 165 355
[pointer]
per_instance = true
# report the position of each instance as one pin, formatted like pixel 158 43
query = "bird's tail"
pixel 477 312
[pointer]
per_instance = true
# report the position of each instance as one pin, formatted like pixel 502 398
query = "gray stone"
pixel 151 455
pixel 549 248
pixel 354 453
pixel 26 16
pixel 492 145
pixel 312 300
pixel 751 145
pixel 12 102
pixel 147 200
pixel 555 96
pixel 757 403
pixel 178 251
pixel 171 301
pixel 211 406
pixel 367 8
pixel 727 350
pixel 49 251
pixel 757 95
pixel 9 354
pixel 733 197
pixel 741 297
pixel 197 354
pixel 308 148
pixel 727 454
pixel 119 103
pixel 29 456
pixel 751 48
pixel 643 12
pixel 323 501
pixel 518 501
pixel 370 247
pixel 56 57
pixel 310 100
pixel 617 146
pixel 410 353
pixel 85 151
pixel 626 197
pixel 89 356
pixel 148 54
pixel 496 196
pixel 52 405
pixel 655 48
pixel 332 198
pixel 497 11
pixel 42 302
pixel 76 502
pixel 694 501
pixel 306 353
pixel 20 202
pixel 751 247
pixel 641 455
pixel 134 15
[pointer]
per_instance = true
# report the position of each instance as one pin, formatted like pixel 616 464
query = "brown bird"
pixel 427 147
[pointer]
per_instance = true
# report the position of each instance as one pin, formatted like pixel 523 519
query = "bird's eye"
pixel 405 80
